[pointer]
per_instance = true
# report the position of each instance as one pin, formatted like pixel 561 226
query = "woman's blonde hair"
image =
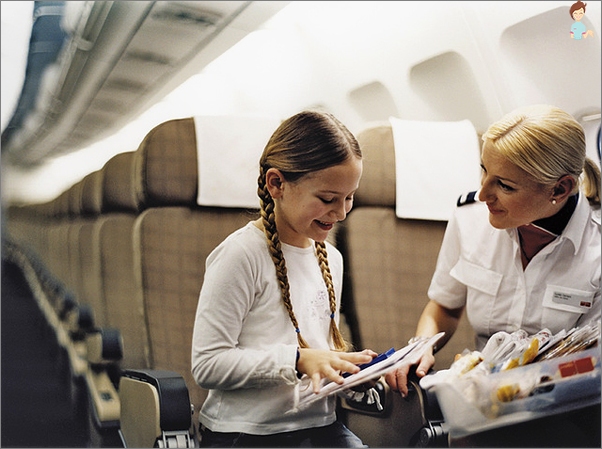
pixel 304 143
pixel 547 143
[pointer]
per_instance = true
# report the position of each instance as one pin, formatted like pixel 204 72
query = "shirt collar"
pixel 575 228
pixel 557 222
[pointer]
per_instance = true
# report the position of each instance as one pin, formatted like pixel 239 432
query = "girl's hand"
pixel 323 363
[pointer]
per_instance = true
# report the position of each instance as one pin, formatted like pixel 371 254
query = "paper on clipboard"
pixel 409 354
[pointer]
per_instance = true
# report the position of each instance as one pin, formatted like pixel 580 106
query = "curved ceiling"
pixel 94 66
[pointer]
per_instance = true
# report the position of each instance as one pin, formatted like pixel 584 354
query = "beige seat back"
pixel 113 236
pixel 390 261
pixel 89 258
pixel 389 264
pixel 173 236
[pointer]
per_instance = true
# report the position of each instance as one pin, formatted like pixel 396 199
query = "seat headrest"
pixel 118 184
pixel 75 198
pixel 165 165
pixel 377 186
pixel 228 151
pixel 91 194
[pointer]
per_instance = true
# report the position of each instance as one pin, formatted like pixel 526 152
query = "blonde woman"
pixel 523 252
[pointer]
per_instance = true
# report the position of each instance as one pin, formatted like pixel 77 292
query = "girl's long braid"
pixel 269 226
pixel 304 143
pixel 337 338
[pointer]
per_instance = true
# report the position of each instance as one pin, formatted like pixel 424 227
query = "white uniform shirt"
pixel 244 344
pixel 480 267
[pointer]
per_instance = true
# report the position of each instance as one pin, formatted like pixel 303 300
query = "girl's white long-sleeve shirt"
pixel 244 345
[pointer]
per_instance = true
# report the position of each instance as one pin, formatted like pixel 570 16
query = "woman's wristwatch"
pixel 415 339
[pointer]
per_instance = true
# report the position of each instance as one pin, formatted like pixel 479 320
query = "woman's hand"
pixel 434 319
pixel 323 363
pixel 398 379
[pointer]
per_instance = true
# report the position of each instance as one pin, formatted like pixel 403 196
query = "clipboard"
pixel 409 354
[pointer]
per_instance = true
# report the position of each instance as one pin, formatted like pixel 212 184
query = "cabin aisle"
pixel 36 410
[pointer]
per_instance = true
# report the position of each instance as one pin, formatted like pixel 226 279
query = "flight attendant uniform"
pixel 481 267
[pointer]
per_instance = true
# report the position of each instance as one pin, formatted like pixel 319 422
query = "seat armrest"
pixel 155 404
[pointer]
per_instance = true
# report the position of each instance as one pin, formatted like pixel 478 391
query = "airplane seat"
pixel 58 241
pixel 60 221
pixel 22 227
pixel 89 339
pixel 107 248
pixel 104 351
pixel 112 239
pixel 163 395
pixel 25 225
pixel 89 191
pixel 89 270
pixel 72 224
pixel 46 288
pixel 43 236
pixel 91 200
pixel 165 166
pixel 173 237
pixel 389 264
pixel 59 310
pixel 72 251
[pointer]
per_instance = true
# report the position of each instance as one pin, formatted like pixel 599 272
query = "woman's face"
pixel 310 207
pixel 512 195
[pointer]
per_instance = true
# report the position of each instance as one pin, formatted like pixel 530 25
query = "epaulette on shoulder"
pixel 467 198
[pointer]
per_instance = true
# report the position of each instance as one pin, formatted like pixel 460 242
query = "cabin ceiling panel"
pixel 135 76
pixel 117 58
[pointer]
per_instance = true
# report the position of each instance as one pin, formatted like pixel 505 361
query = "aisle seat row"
pixel 129 243
pixel 117 262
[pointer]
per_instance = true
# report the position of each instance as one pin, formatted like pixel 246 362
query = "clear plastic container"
pixel 477 403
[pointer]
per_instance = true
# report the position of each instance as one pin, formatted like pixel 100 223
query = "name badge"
pixel 568 299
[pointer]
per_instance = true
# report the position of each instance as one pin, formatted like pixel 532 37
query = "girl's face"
pixel 578 14
pixel 309 208
pixel 512 195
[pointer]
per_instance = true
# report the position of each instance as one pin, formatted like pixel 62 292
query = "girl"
pixel 269 306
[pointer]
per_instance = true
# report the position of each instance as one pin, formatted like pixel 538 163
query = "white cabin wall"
pixel 534 60
pixel 419 60
pixel 327 57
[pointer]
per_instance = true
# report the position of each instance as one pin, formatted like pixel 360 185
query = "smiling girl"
pixel 268 309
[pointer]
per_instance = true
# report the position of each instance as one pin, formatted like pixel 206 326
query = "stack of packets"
pixel 409 354
pixel 486 378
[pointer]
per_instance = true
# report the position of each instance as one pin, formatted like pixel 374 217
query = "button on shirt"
pixel 480 267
